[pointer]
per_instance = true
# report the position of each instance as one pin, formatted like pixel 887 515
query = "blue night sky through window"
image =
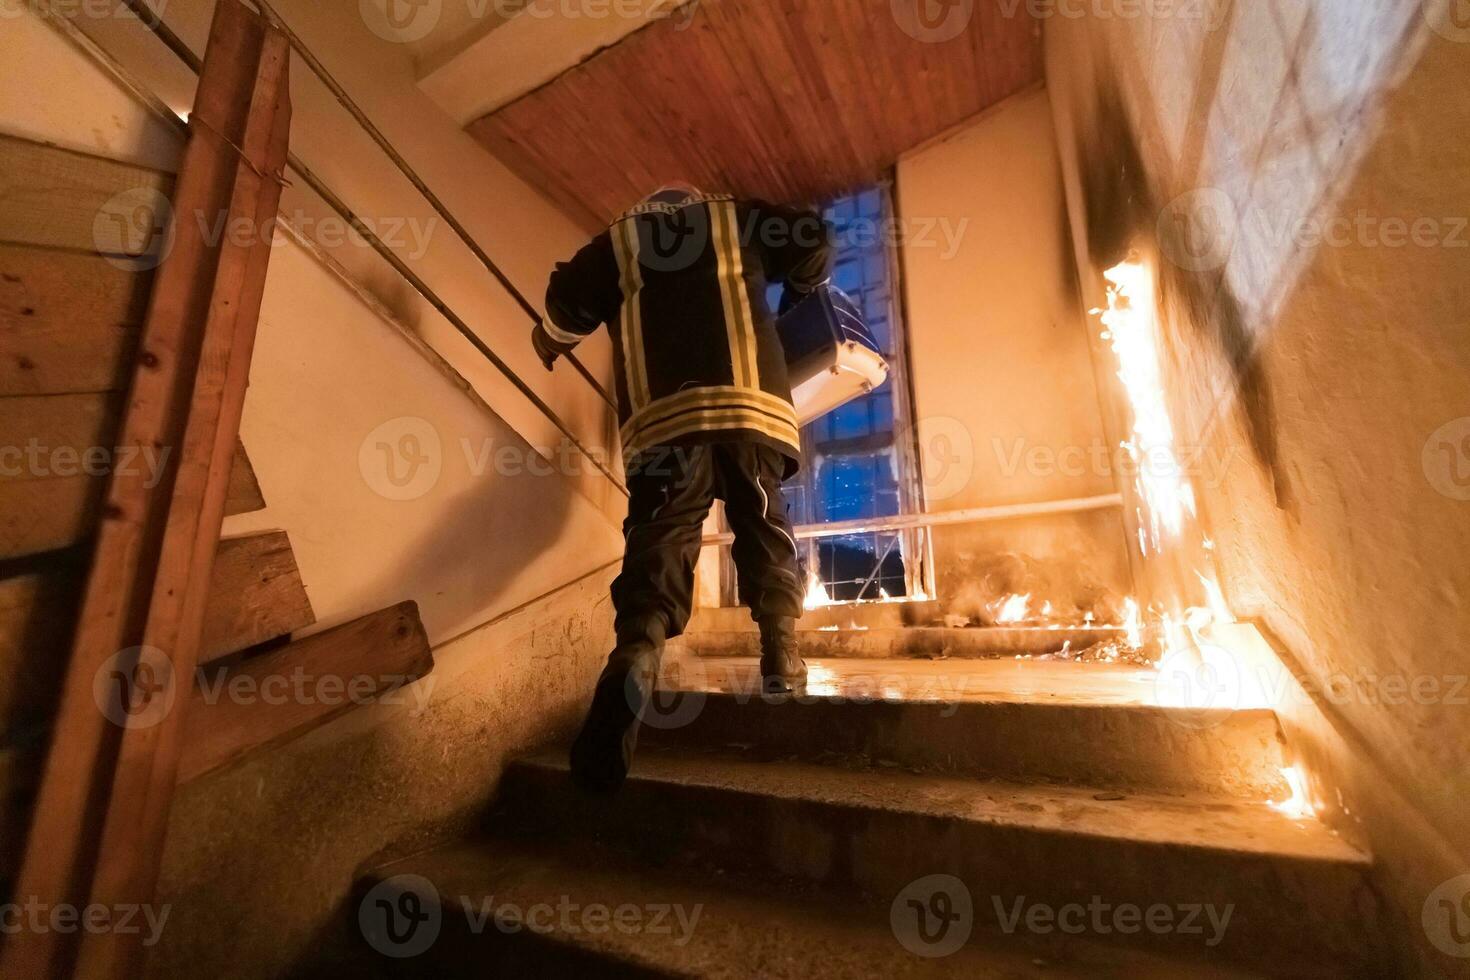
pixel 853 472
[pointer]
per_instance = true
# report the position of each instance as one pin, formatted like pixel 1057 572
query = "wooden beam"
pixel 256 595
pixel 269 699
pixel 107 786
pixel 244 495
pixel 136 820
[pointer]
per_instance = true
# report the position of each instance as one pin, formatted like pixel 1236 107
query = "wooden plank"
pixel 793 101
pixel 69 322
pixel 244 495
pixel 252 134
pixel 107 786
pixel 65 199
pixel 269 699
pixel 257 595
pixel 56 453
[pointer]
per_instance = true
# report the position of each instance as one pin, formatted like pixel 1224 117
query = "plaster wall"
pixel 262 857
pixel 1272 161
pixel 1006 400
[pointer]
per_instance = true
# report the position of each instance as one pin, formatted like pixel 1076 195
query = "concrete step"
pixel 872 615
pixel 1286 885
pixel 1094 725
pixel 903 641
pixel 507 909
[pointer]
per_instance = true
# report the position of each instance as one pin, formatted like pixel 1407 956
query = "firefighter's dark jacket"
pixel 683 290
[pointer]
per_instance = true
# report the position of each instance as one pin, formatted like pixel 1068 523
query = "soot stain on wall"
pixel 1122 209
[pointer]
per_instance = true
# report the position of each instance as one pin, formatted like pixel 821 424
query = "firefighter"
pixel 705 413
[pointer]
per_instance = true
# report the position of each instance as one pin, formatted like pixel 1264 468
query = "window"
pixel 856 467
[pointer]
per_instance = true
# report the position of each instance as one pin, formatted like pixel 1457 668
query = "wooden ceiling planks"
pixel 790 100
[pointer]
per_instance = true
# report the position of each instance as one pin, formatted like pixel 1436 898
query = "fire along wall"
pixel 1296 173
pixel 1003 379
pixel 260 855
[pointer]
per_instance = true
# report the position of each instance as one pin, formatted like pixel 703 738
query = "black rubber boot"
pixel 782 669
pixel 603 752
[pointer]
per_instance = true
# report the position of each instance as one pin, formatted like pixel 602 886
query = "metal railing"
pixel 155 23
pixel 974 515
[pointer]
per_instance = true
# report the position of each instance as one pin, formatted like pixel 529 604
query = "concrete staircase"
pixel 886 630
pixel 995 817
